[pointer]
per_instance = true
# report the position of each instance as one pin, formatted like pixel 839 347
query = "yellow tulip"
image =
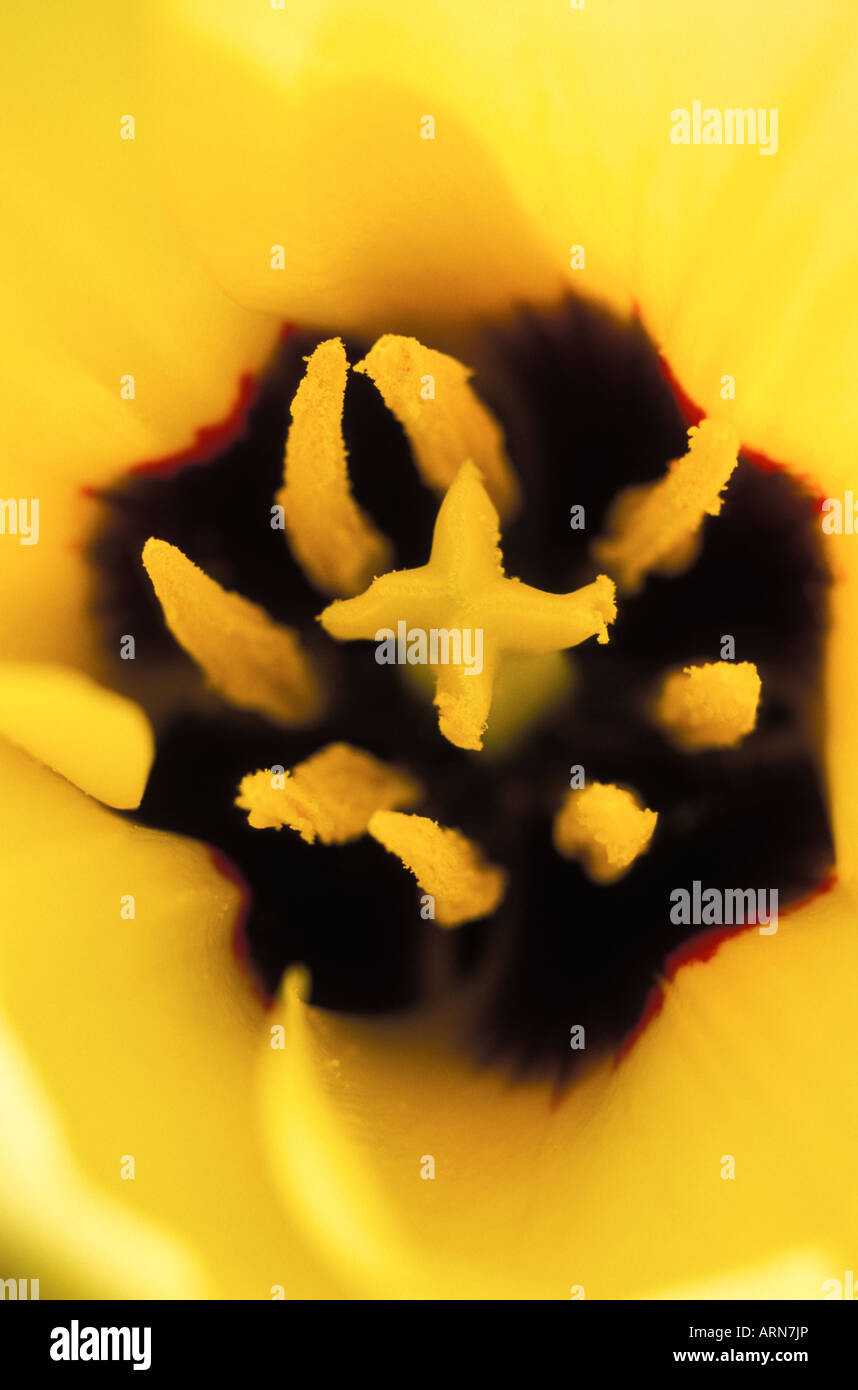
pixel 182 180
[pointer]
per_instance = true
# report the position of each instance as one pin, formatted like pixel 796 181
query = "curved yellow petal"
pixel 74 1240
pixel 97 739
pixel 745 259
pixel 310 1150
pixel 299 172
pixel 120 978
pixel 106 299
pixel 618 1185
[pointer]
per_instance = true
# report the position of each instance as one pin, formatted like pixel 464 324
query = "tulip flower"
pixel 501 1072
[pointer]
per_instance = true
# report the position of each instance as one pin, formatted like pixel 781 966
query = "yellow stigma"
pixel 445 864
pixel 463 586
pixel 335 543
pixel 332 795
pixel 605 827
pixel 250 660
pixel 446 422
pixel 657 526
pixel 712 706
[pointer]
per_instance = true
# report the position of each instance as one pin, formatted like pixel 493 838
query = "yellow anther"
pixel 445 864
pixel 445 420
pixel 712 706
pixel 332 795
pixel 657 526
pixel 463 596
pixel 336 544
pixel 249 660
pixel 604 826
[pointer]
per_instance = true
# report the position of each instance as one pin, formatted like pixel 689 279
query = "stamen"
pixel 250 660
pixel 463 589
pixel 336 543
pixel 657 526
pixel 331 795
pixel 712 706
pixel 604 826
pixel 446 865
pixel 445 420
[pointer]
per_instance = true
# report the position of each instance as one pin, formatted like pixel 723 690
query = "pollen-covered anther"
pixel 445 420
pixel 331 795
pixel 656 526
pixel 335 543
pixel 445 864
pixel 711 706
pixel 463 591
pixel 604 826
pixel 250 660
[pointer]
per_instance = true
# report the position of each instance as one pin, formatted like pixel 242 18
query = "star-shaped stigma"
pixel 461 608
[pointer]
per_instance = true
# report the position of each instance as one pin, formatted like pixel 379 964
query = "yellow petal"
pixel 335 543
pixel 445 863
pixel 616 1185
pixel 251 661
pixel 333 794
pixel 97 739
pixel 85 1243
pixel 140 1031
pixel 745 259
pixel 304 133
pixel 105 289
pixel 736 259
pixel 311 1150
pixel 710 706
pixel 604 825
pixel 791 1275
pixel 444 419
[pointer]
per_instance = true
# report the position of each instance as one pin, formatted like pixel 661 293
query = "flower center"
pixel 543 840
